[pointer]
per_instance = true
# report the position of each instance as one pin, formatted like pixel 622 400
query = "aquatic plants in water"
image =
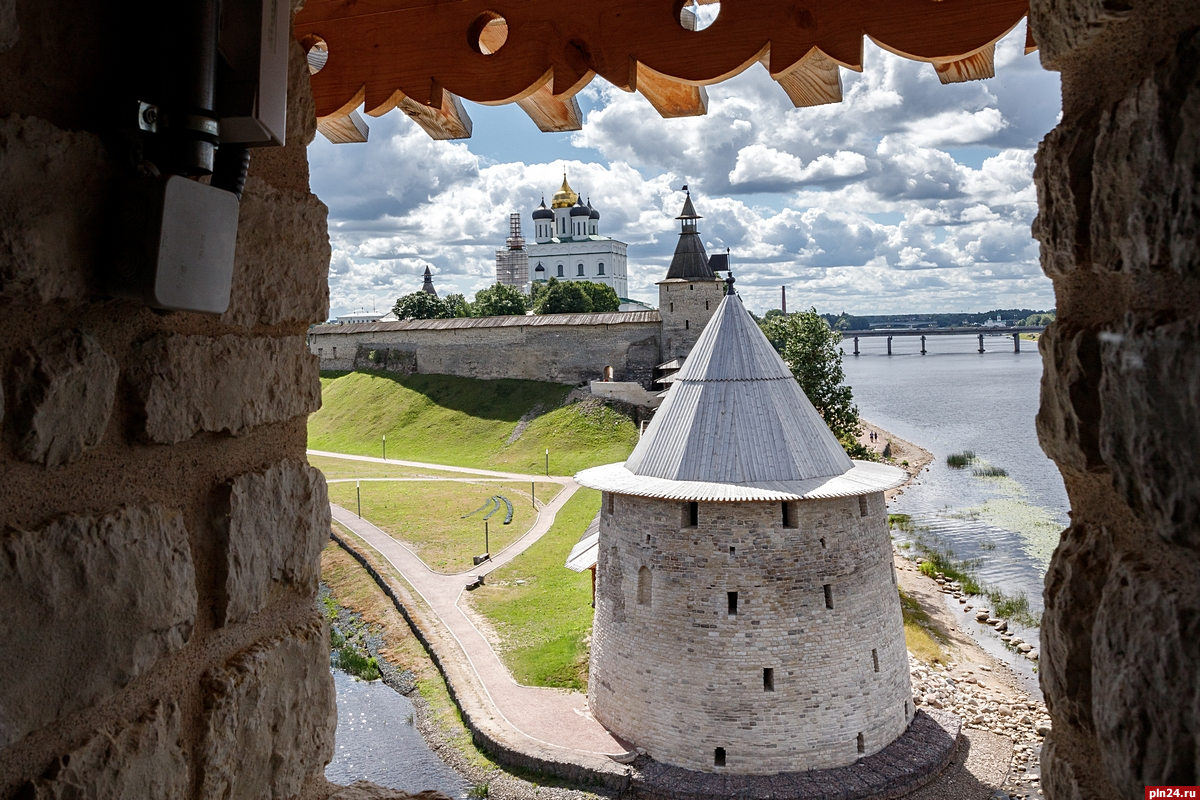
pixel 960 460
pixel 348 659
pixel 1004 605
pixel 990 472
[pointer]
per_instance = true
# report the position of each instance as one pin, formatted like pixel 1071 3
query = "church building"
pixel 568 245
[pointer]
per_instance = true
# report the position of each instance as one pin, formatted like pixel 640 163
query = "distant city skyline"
pixel 907 197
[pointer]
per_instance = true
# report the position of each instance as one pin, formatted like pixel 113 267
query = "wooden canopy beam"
pixel 422 57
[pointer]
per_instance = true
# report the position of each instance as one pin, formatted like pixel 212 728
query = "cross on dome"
pixel 565 197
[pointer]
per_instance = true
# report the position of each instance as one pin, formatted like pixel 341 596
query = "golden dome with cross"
pixel 565 197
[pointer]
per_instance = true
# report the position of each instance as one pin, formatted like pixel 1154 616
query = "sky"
pixel 906 197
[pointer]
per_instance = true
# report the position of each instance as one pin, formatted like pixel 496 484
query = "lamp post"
pixel 487 550
pixel 385 447
pixel 533 493
pixel 547 462
pixel 358 491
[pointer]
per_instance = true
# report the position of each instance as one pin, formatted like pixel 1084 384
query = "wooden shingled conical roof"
pixel 736 425
pixel 690 261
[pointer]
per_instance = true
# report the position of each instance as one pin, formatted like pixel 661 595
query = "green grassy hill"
pixel 466 422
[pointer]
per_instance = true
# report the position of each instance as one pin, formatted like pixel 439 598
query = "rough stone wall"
pixel 159 527
pixel 569 354
pixel 1119 225
pixel 686 307
pixel 673 672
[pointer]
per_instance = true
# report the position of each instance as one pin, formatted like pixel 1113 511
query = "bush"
pixel 348 659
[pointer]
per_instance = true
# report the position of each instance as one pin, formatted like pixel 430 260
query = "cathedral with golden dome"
pixel 568 246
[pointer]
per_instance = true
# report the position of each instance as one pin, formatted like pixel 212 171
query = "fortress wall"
pixel 1118 184
pixel 674 673
pixel 559 353
pixel 160 530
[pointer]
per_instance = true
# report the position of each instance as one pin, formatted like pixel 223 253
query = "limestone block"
pixel 93 602
pixel 52 202
pixel 1146 201
pixel 1150 434
pixel 302 111
pixel 274 527
pixel 1074 583
pixel 1072 770
pixel 270 717
pixel 63 390
pixel 9 31
pixel 1146 674
pixel 1068 418
pixel 365 790
pixel 142 759
pixel 1062 26
pixel 282 258
pixel 1063 177
pixel 189 384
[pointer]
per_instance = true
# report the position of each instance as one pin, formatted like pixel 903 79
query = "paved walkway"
pixel 553 717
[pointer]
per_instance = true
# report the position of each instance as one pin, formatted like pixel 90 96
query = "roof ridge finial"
pixel 729 284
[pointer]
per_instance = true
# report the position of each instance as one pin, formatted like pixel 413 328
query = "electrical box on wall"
pixel 179 239
pixel 252 76
pixel 215 85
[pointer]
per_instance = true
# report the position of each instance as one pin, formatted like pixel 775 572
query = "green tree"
pixel 810 348
pixel 604 297
pixel 458 305
pixel 419 305
pixel 498 301
pixel 562 297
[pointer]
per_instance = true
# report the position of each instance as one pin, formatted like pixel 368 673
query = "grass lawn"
pixel 427 515
pixel 546 623
pixel 339 468
pixel 923 638
pixel 466 422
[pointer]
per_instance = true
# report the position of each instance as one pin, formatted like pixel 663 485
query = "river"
pixel 955 399
pixel 376 741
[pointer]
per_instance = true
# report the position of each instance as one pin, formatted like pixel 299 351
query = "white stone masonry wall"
pixel 686 307
pixel 558 353
pixel 674 672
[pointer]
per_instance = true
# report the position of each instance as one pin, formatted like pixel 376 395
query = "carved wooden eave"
pixel 421 56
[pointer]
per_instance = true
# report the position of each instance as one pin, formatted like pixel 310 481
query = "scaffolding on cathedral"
pixel 512 263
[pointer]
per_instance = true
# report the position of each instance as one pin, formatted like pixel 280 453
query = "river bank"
pixel 967 680
pixel 1002 724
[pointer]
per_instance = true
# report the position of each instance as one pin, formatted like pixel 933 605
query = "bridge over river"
pixel 1014 332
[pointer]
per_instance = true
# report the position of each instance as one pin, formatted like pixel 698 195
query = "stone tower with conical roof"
pixel 427 286
pixel 688 296
pixel 747 615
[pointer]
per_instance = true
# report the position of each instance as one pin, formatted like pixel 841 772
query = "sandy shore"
pixel 1002 724
pixel 904 454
